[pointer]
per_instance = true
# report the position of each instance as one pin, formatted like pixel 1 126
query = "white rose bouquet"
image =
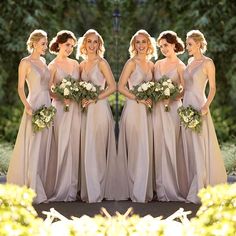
pixel 166 89
pixel 43 117
pixel 66 89
pixel 87 90
pixel 190 118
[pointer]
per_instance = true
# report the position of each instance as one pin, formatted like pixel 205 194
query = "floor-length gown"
pixel 98 146
pixel 170 171
pixel 202 152
pixel 63 174
pixel 135 142
pixel 31 151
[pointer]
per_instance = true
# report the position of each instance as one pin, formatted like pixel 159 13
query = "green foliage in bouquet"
pixel 217 215
pixel 190 118
pixel 43 117
pixel 144 91
pixel 17 216
pixel 87 90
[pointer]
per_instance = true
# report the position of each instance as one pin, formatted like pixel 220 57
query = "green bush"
pixel 5 155
pixel 17 215
pixel 217 215
pixel 229 154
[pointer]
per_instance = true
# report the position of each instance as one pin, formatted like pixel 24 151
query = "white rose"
pixel 169 81
pixel 171 86
pixel 165 83
pixel 66 92
pixel 157 89
pixel 40 123
pixel 193 124
pixel 68 83
pixel 47 119
pixel 140 89
pixel 62 86
pixel 144 87
pixel 185 118
pixel 152 83
pixel 64 81
pixel 93 89
pixel 167 92
pixel 81 83
pixel 89 86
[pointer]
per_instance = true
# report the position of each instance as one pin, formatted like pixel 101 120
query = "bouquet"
pixel 165 88
pixel 43 118
pixel 145 91
pixel 190 118
pixel 66 89
pixel 87 90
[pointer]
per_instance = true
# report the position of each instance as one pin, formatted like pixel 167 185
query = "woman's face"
pixel 192 46
pixel 67 48
pixel 167 49
pixel 141 44
pixel 91 43
pixel 41 46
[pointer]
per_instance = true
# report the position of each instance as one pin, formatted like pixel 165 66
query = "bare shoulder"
pixel 181 65
pixel 73 62
pixel 82 63
pixel 209 62
pixel 130 63
pixel 52 65
pixel 24 62
pixel 103 62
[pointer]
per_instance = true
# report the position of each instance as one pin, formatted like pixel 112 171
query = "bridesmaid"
pixel 63 174
pixel 135 140
pixel 168 158
pixel 31 151
pixel 98 138
pixel 202 152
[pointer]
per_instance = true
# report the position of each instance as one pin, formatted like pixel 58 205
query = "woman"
pixel 63 182
pixel 98 138
pixel 169 168
pixel 203 157
pixel 135 140
pixel 31 152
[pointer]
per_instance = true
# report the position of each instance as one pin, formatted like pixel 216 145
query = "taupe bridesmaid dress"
pixel 202 152
pixel 135 142
pixel 170 171
pixel 63 174
pixel 98 147
pixel 30 156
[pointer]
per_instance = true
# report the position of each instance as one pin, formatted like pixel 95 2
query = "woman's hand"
pixel 29 110
pixel 147 102
pixel 204 110
pixel 86 102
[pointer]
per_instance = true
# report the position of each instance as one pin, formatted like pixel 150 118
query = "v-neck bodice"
pixel 138 76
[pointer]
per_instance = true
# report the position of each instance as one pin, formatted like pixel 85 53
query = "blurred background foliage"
pixel 216 19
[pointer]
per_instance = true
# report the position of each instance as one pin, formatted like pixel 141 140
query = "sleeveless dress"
pixel 31 151
pixel 202 152
pixel 170 171
pixel 63 174
pixel 135 142
pixel 98 146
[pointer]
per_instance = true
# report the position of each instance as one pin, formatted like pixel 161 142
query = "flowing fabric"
pixel 170 170
pixel 31 151
pixel 135 143
pixel 98 149
pixel 63 173
pixel 202 152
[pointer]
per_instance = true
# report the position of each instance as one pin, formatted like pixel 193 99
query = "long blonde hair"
pixel 151 51
pixel 81 50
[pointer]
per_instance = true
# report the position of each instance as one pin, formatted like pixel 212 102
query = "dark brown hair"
pixel 62 37
pixel 172 38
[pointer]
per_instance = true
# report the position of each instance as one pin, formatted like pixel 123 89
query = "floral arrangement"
pixel 190 118
pixel 66 89
pixel 166 89
pixel 43 117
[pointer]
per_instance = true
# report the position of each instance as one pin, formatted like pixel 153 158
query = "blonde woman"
pixel 203 157
pixel 63 180
pixel 170 171
pixel 98 138
pixel 31 152
pixel 135 139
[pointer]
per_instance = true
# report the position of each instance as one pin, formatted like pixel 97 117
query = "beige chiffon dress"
pixel 135 142
pixel 170 170
pixel 29 161
pixel 204 162
pixel 98 148
pixel 63 172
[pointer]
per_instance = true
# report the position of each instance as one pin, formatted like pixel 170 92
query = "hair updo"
pixel 198 37
pixel 172 38
pixel 62 37
pixel 34 37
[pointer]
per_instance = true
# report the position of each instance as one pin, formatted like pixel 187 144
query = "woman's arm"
pixel 23 70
